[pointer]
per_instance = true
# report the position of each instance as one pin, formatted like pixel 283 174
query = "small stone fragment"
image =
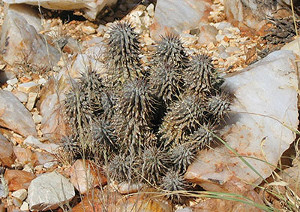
pixel 84 175
pixel 49 191
pixel 129 188
pixel 24 207
pixel 12 81
pixel 20 194
pixel 28 87
pixel 23 155
pixel 23 97
pixel 18 179
pixel 7 156
pixel 88 30
pixel 31 100
pixel 34 142
pixel 14 115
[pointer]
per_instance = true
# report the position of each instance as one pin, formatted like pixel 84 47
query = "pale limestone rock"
pixel 178 16
pixel 263 113
pixel 90 7
pixel 84 175
pixel 31 100
pixel 14 115
pixel 24 207
pixel 34 142
pixel 129 188
pixel 52 96
pixel 293 46
pixel 20 194
pixel 48 191
pixel 23 97
pixel 29 87
pixel 21 44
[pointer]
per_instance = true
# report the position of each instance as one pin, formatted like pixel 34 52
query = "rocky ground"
pixel 42 49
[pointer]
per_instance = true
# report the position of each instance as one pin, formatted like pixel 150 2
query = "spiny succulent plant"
pixel 170 52
pixel 202 137
pixel 201 75
pixel 182 156
pixel 167 83
pixel 123 167
pixel 123 52
pixel 135 109
pixel 218 106
pixel 83 102
pixel 174 184
pixel 104 138
pixel 155 164
pixel 183 118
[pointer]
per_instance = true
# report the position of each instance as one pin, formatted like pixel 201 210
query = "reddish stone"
pixel 97 200
pixel 24 156
pixel 18 179
pixel 7 156
pixel 85 175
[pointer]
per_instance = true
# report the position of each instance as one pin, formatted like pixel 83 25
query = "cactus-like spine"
pixel 182 156
pixel 155 164
pixel 201 74
pixel 135 109
pixel 183 118
pixel 170 52
pixel 123 52
pixel 173 181
pixel 218 107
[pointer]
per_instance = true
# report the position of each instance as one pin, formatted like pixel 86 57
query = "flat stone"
pixel 293 46
pixel 7 156
pixel 31 100
pixel 14 115
pixel 129 188
pixel 28 87
pixel 23 97
pixel 90 8
pixel 176 16
pixel 24 156
pixel 262 113
pixel 53 124
pixel 18 179
pixel 23 45
pixel 49 191
pixel 34 142
pixel 24 207
pixel 20 194
pixel 43 158
pixel 12 81
pixel 84 175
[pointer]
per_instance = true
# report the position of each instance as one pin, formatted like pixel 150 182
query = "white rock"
pixel 21 44
pixel 14 115
pixel 37 118
pixel 90 7
pixel 8 88
pixel 24 207
pixel 48 191
pixel 53 124
pixel 34 142
pixel 12 81
pixel 293 46
pixel 88 29
pixel 263 112
pixel 150 10
pixel 42 81
pixel 23 97
pixel 29 87
pixel 31 100
pixel 129 188
pixel 20 194
pixel 178 16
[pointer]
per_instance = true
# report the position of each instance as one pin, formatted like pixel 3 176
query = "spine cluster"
pixel 148 127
